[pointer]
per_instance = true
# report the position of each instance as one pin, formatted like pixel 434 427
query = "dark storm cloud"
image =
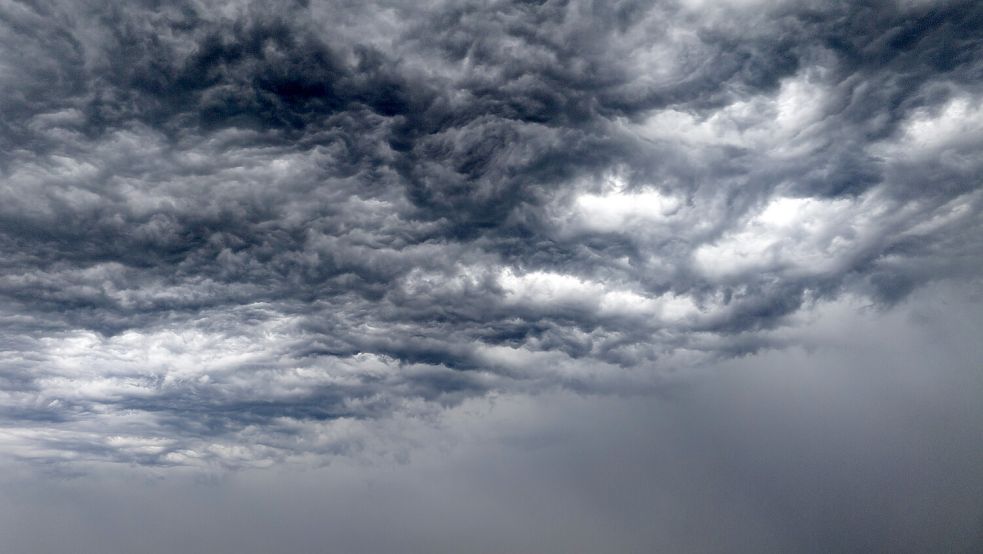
pixel 223 218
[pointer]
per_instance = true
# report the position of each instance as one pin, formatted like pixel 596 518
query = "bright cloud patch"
pixel 616 210
pixel 558 291
pixel 792 235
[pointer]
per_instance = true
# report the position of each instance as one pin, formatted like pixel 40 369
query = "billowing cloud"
pixel 231 231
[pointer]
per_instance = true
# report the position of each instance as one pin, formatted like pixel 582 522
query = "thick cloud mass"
pixel 232 232
pixel 867 440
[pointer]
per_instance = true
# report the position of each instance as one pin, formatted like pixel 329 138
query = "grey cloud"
pixel 868 439
pixel 404 203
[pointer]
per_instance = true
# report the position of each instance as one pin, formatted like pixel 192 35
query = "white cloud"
pixel 779 125
pixel 797 236
pixel 557 290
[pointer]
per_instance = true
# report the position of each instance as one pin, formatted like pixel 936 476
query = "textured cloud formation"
pixel 868 440
pixel 231 232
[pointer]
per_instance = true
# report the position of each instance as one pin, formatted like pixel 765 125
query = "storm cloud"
pixel 236 233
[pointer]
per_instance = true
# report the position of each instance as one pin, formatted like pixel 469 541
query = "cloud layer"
pixel 233 232
pixel 866 440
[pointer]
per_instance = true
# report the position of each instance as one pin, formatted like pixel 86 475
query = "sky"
pixel 491 276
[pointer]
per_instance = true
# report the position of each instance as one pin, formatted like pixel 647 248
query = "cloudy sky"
pixel 491 276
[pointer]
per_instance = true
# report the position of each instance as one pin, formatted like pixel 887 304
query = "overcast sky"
pixel 491 276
